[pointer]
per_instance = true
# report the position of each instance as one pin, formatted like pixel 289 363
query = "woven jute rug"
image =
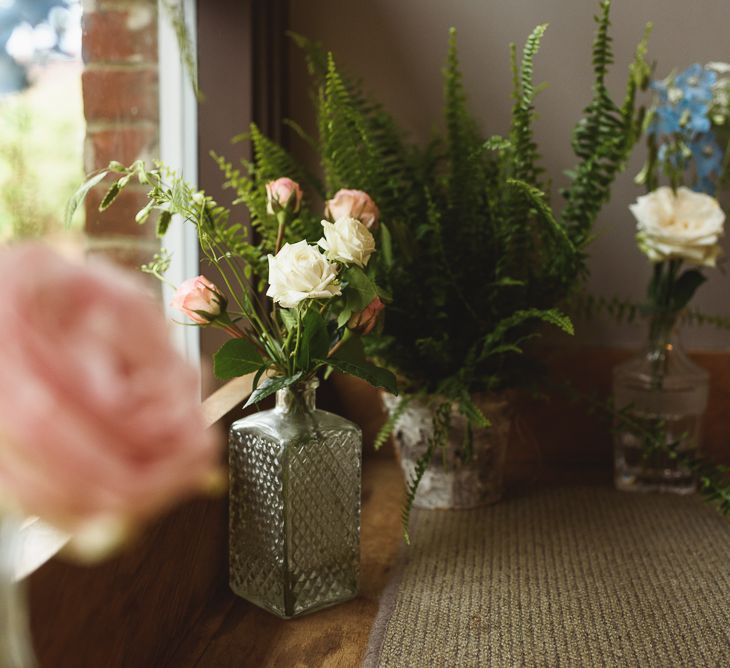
pixel 581 576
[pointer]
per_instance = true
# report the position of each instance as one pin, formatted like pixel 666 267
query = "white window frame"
pixel 179 150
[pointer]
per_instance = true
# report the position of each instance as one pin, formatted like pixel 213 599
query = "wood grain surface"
pixel 165 602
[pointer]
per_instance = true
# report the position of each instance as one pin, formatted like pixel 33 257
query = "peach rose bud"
pixel 354 204
pixel 200 300
pixel 283 194
pixel 365 321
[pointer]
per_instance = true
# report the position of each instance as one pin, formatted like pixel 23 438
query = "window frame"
pixel 179 149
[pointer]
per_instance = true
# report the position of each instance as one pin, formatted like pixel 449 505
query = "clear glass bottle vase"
pixel 660 397
pixel 295 474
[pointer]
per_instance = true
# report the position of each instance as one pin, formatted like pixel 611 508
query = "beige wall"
pixel 398 47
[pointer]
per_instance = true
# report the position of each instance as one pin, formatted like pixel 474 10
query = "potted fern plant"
pixel 472 260
pixel 474 257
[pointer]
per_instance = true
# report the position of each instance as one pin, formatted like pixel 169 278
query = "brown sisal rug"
pixel 576 576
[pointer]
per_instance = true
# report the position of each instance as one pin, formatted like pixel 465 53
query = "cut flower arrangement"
pixel 299 294
pixel 322 294
pixel 679 227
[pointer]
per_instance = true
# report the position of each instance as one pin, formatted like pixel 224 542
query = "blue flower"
pixel 682 126
pixel 708 158
pixel 684 102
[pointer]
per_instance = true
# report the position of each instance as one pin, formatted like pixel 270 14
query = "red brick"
pixel 118 95
pixel 108 38
pixel 123 144
pixel 118 219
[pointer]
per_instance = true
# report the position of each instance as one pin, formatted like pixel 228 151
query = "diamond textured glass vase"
pixel 660 397
pixel 295 506
pixel 457 477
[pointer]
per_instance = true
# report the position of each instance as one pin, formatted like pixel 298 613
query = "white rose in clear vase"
pixel 347 241
pixel 684 225
pixel 298 272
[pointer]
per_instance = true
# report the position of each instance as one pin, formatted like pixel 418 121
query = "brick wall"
pixel 120 87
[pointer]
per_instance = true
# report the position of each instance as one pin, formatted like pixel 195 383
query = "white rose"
pixel 299 271
pixel 720 68
pixel 686 225
pixel 347 241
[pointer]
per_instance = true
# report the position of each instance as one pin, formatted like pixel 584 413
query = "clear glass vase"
pixel 455 478
pixel 295 476
pixel 15 643
pixel 660 396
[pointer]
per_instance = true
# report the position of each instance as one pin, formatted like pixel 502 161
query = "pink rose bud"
pixel 279 194
pixel 199 299
pixel 365 321
pixel 353 204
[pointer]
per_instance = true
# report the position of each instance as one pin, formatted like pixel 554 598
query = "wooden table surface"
pixel 165 602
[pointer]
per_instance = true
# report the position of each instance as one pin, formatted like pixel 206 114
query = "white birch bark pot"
pixel 455 478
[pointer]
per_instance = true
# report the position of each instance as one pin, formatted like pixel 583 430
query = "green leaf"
pixel 144 213
pixel 116 166
pixel 270 386
pixel 257 377
pixel 236 357
pixel 375 375
pixel 113 192
pixel 685 287
pixel 360 290
pixel 110 196
pixel 289 318
pixel 353 350
pixel 163 223
pixel 344 316
pixel 80 195
pixel 386 246
pixel 315 341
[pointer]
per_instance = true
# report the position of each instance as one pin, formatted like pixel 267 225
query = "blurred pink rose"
pixel 279 192
pixel 199 299
pixel 365 321
pixel 353 204
pixel 100 418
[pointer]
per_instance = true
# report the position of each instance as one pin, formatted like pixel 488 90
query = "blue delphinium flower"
pixel 708 159
pixel 682 125
pixel 684 101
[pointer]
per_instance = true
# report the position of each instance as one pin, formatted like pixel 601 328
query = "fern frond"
pixel 536 198
pixel 589 306
pixel 439 438
pixel 695 317
pixel 604 137
pixel 525 154
pixel 496 336
pixel 389 426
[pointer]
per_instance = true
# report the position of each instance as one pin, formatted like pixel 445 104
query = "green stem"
pixel 281 217
pixel 298 341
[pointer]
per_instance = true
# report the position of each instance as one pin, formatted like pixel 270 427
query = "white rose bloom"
pixel 720 68
pixel 300 271
pixel 686 225
pixel 347 241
